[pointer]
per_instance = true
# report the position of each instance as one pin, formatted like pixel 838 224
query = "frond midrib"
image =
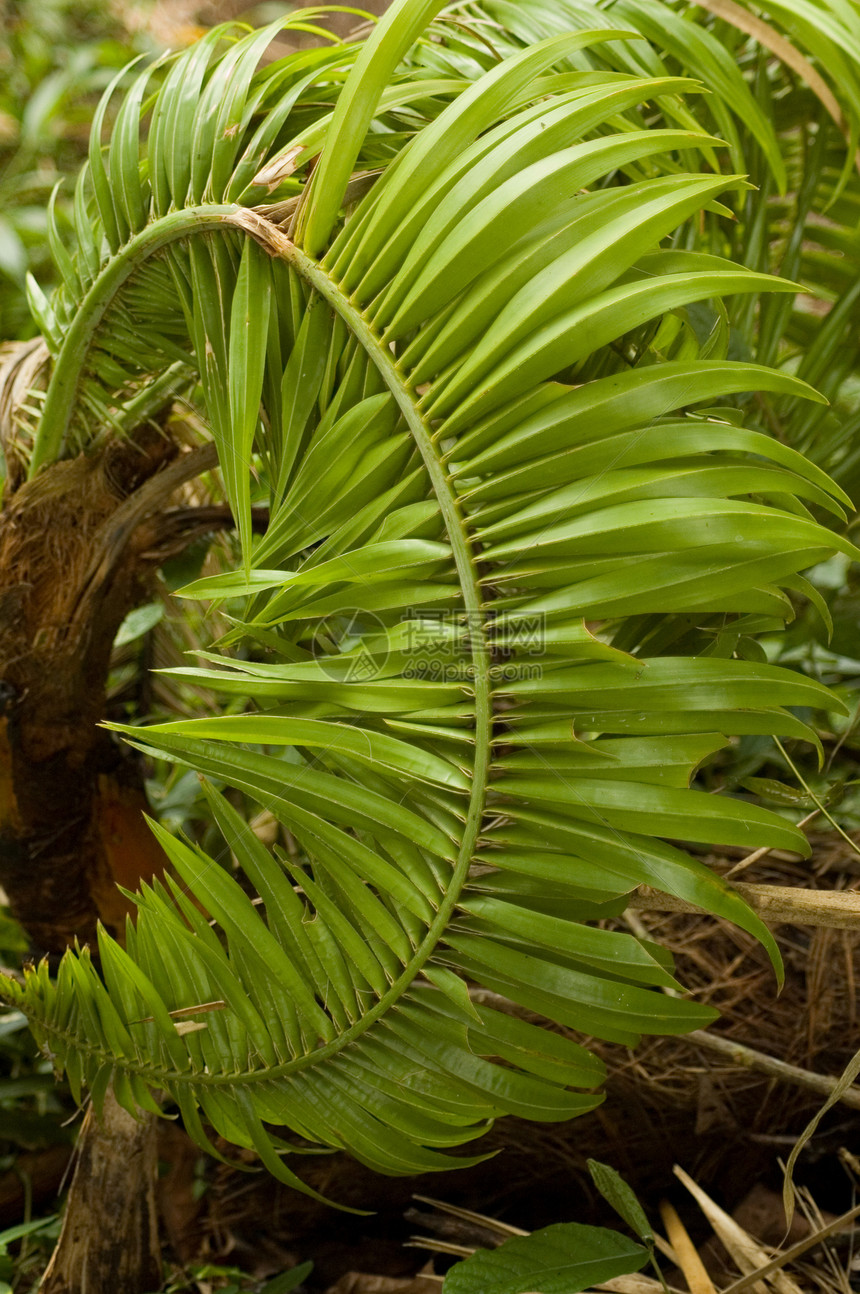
pixel 154 237
pixel 70 364
pixel 276 244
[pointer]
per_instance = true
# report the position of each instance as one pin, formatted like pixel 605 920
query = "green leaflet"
pixel 503 366
pixel 275 730
pixel 589 242
pixel 568 418
pixel 547 194
pixel 249 324
pixel 494 451
pixel 560 1259
pixel 394 34
pixel 616 1192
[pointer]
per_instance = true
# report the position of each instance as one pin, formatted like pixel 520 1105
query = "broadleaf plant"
pixel 562 1259
pixel 501 608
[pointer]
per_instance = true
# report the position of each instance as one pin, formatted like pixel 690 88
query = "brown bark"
pixel 109 1240
pixel 78 546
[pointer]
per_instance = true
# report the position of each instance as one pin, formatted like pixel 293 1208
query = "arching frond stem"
pixel 70 363
pixel 62 392
pixel 277 244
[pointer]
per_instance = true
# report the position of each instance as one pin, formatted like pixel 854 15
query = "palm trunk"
pixel 109 1240
pixel 78 547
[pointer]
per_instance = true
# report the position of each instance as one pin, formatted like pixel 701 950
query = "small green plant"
pixel 565 1258
pixel 11 1266
pixel 561 1259
pixel 232 1280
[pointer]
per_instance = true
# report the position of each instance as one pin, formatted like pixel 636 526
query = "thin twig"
pixel 758 854
pixel 852 844
pixel 749 1058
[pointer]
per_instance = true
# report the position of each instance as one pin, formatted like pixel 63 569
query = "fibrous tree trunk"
pixel 109 1239
pixel 78 546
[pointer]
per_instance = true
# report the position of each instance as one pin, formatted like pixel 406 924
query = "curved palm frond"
pixel 765 77
pixel 792 124
pixel 504 608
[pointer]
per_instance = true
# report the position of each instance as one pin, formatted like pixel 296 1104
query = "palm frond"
pixel 518 548
pixel 792 123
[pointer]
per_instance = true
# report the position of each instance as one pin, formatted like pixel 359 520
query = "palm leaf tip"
pixel 496 622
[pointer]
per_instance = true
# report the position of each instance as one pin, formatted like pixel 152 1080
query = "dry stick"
pixel 746 1252
pixel 834 909
pixel 796 1251
pixel 784 50
pixel 738 1052
pixel 852 844
pixel 468 1215
pixel 757 854
pixel 749 1058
